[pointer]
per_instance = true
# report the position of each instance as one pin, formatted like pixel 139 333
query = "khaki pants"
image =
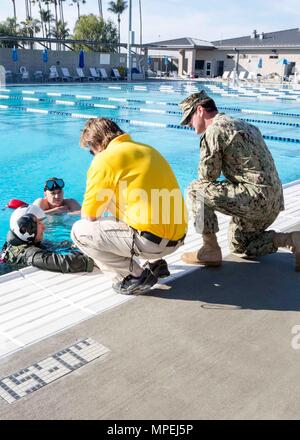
pixel 110 243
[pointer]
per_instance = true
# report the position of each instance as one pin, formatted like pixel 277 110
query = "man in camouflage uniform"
pixel 251 192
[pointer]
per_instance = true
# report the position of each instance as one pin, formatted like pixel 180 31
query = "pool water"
pixel 35 146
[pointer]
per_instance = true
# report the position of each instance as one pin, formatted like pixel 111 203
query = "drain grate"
pixel 30 379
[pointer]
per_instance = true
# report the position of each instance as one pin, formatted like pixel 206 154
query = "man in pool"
pixel 24 245
pixel 54 201
pixel 251 192
pixel 134 183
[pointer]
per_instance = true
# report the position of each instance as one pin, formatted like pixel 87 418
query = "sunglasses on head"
pixel 54 184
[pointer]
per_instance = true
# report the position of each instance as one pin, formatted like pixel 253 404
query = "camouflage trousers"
pixel 251 211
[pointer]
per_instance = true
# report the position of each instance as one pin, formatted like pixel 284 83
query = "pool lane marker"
pixel 64 102
pixel 31 99
pixel 151 111
pixel 128 121
pixel 243 92
pixel 164 103
pixel 60 102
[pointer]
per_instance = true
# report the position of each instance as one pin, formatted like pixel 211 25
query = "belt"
pixel 157 240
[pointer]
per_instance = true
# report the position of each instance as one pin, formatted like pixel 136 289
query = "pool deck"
pixel 206 344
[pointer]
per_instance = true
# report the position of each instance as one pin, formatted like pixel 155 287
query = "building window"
pixel 104 58
pixel 199 64
pixel 230 57
pixel 273 57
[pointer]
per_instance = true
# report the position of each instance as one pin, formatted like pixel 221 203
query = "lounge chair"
pixel 175 75
pixel 38 75
pixel 242 75
pixel 66 74
pixel 53 73
pixel 103 73
pixel 82 76
pixel 116 74
pixel 252 77
pixel 136 74
pixel 95 74
pixel 296 79
pixel 226 74
pixel 8 75
pixel 152 74
pixel 24 74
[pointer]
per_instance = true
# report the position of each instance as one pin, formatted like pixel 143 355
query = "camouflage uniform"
pixel 252 192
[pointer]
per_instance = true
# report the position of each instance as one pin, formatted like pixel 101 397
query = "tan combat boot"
pixel 209 254
pixel 291 241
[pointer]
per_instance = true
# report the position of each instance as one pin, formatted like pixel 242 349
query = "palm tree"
pixel 61 10
pixel 118 7
pixel 27 9
pixel 46 18
pixel 30 27
pixel 34 2
pixel 141 25
pixel 61 31
pixel 100 8
pixel 15 11
pixel 30 8
pixel 56 11
pixel 49 16
pixel 78 3
pixel 9 27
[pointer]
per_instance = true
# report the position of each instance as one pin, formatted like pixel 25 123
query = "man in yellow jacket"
pixel 132 207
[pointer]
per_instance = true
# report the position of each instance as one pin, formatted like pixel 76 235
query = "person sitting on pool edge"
pixel 54 201
pixel 25 247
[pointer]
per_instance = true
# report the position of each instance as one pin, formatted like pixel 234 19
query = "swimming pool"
pixel 40 129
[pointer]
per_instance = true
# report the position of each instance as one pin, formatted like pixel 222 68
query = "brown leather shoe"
pixel 205 256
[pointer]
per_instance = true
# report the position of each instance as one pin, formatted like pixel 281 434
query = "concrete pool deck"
pixel 215 343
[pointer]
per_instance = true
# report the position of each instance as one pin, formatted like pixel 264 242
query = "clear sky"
pixel 209 20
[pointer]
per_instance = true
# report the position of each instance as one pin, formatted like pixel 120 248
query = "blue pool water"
pixel 35 146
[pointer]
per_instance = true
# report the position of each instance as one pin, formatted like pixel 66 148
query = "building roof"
pixel 287 38
pixel 182 43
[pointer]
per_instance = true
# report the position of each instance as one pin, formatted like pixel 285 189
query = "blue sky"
pixel 210 20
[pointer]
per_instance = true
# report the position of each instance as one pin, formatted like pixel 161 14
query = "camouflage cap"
pixel 189 105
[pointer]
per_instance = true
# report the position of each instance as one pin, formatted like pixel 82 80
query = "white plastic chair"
pixel 38 75
pixel 232 74
pixel 252 77
pixel 8 75
pixel 226 74
pixel 24 73
pixel 242 75
pixel 53 73
pixel 82 76
pixel 66 74
pixel 94 73
pixel 116 73
pixel 103 73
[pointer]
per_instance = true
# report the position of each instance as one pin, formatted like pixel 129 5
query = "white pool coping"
pixel 36 304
